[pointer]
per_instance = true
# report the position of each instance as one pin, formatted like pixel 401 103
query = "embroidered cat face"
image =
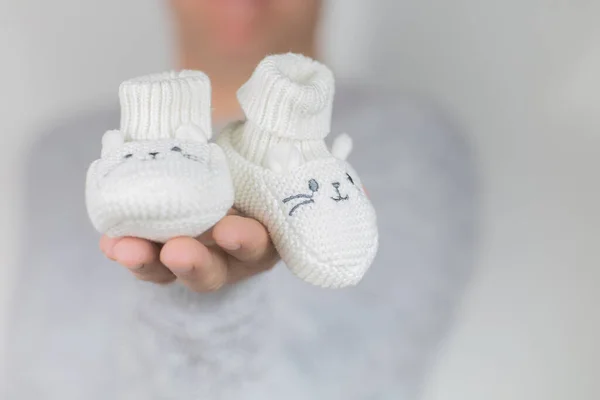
pixel 157 188
pixel 326 209
pixel 152 154
pixel 329 185
pixel 339 191
pixel 331 179
pixel 187 146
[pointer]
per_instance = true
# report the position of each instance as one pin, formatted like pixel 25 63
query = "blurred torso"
pixel 372 341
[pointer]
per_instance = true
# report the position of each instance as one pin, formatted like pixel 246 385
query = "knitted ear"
pixel 111 141
pixel 283 157
pixel 191 132
pixel 342 146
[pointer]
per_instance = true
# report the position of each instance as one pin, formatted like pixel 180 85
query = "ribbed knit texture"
pixel 155 180
pixel 288 99
pixel 319 218
pixel 154 106
pixel 289 95
pixel 255 144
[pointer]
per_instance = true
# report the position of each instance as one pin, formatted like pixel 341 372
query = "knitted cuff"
pixel 291 96
pixel 154 106
pixel 254 145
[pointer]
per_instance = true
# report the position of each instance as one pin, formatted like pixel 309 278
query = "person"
pixel 217 317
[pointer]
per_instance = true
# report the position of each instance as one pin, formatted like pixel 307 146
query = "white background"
pixel 524 77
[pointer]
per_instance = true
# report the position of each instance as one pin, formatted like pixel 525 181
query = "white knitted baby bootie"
pixel 158 177
pixel 310 199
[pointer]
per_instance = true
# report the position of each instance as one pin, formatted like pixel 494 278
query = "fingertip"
pixel 182 253
pixel 107 245
pixel 194 264
pixel 240 230
pixel 244 238
pixel 227 231
pixel 132 252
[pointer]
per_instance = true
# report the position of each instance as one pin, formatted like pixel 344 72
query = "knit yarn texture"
pixel 158 177
pixel 313 204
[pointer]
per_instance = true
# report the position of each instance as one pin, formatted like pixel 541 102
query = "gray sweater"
pixel 83 328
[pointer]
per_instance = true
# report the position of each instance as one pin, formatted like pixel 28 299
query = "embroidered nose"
pixel 336 185
pixel 154 154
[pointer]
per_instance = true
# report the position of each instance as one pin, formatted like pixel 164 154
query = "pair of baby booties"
pixel 159 177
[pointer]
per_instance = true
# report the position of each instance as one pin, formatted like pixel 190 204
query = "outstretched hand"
pixel 234 249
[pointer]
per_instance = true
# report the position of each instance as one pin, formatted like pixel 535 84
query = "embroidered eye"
pixel 128 155
pixel 177 149
pixel 350 178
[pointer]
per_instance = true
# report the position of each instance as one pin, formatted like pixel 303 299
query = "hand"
pixel 234 249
